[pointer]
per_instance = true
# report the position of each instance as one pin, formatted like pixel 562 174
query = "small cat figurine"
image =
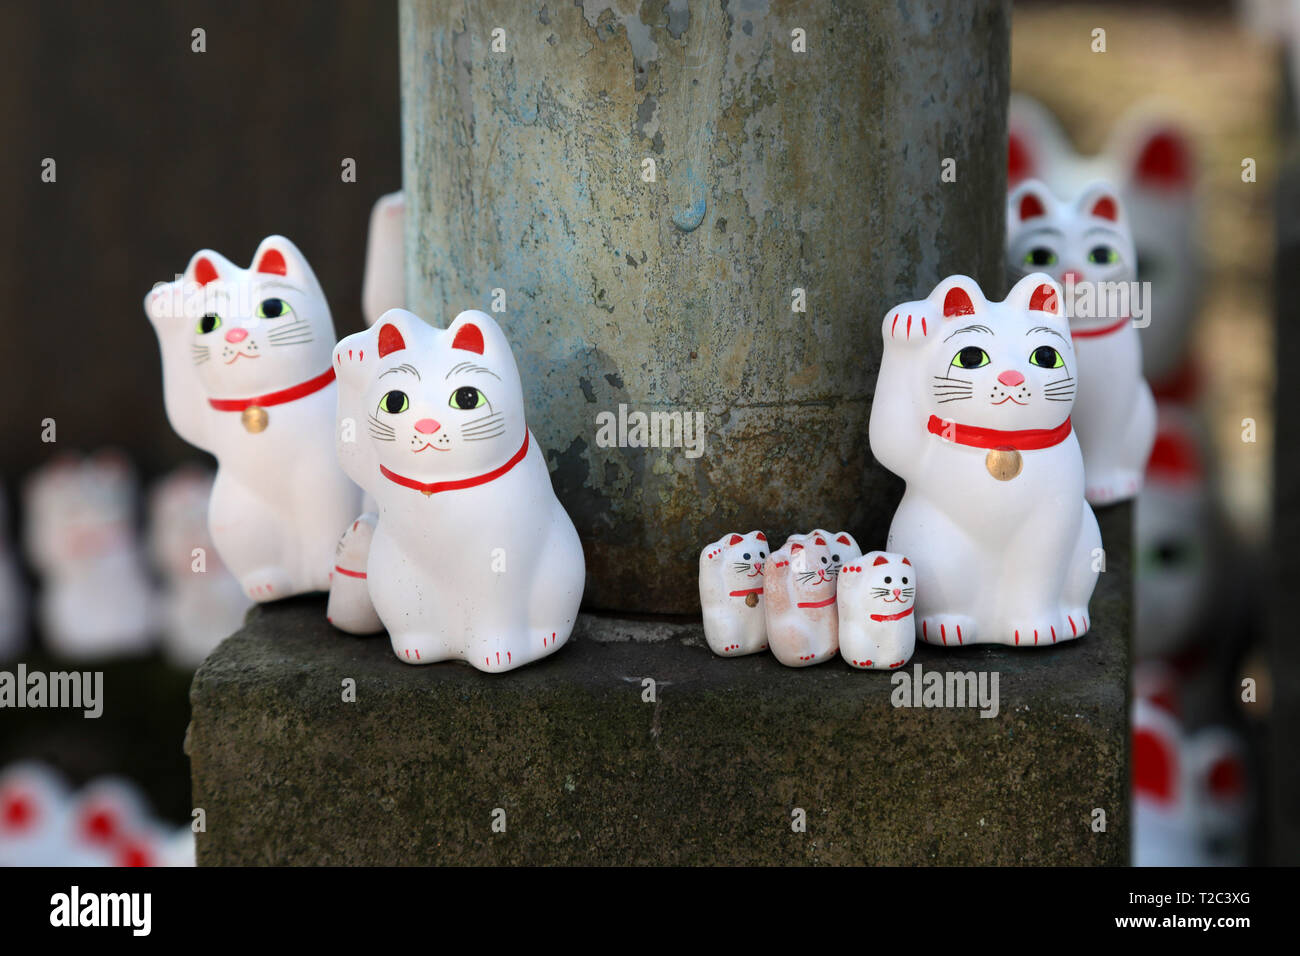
pixel 247 376
pixel 875 599
pixel 1087 240
pixel 472 557
pixel 203 604
pixel 96 599
pixel 802 620
pixel 972 409
pixel 1151 160
pixel 731 594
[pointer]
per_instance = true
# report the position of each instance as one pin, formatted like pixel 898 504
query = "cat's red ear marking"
pixel 272 261
pixel 1165 160
pixel 957 302
pixel 1154 766
pixel 1030 207
pixel 735 539
pixel 390 340
pixel 879 561
pixel 796 548
pixel 844 539
pixel 760 536
pixel 204 271
pixel 1019 162
pixel 818 540
pixel 907 562
pixel 1227 778
pixel 469 338
pixel 1044 300
pixel 1106 208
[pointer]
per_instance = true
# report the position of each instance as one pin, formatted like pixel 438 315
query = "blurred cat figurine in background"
pixel 247 376
pixel 1087 240
pixel 802 620
pixel 731 594
pixel 875 600
pixel 1151 160
pixel 202 602
pixel 972 410
pixel 96 600
pixel 383 284
pixel 472 557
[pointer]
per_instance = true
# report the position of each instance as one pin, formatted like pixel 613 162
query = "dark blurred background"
pixel 161 151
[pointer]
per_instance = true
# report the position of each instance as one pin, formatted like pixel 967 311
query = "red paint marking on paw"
pixel 508 657
pixel 924 635
pixel 417 655
pixel 1017 637
pixel 898 664
pixel 408 653
pixel 943 632
pixel 923 332
pixel 1073 630
pixel 909 326
pixel 959 640
pixel 1035 635
pixel 893 327
pixel 1053 635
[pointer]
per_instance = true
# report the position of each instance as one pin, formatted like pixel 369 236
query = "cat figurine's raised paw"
pixel 875 596
pixel 247 376
pixel 802 620
pixel 731 594
pixel 473 557
pixel 1085 243
pixel 994 516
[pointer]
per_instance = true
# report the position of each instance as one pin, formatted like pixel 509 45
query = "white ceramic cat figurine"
pixel 1087 240
pixel 350 608
pixel 1150 158
pixel 247 376
pixel 875 599
pixel 473 557
pixel 731 594
pixel 96 599
pixel 383 282
pixel 802 620
pixel 971 409
pixel 202 602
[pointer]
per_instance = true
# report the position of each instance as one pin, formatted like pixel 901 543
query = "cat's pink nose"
pixel 1011 378
pixel 1072 276
pixel 426 426
pixel 897 591
pixel 236 335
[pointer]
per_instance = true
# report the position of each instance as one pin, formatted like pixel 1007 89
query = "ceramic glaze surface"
pixel 972 410
pixel 876 598
pixel 247 376
pixel 472 557
pixel 802 620
pixel 383 283
pixel 1086 240
pixel 731 593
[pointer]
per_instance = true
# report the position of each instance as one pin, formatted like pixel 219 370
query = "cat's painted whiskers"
pixel 948 389
pixel 297 332
pixel 488 426
pixel 200 354
pixel 381 431
pixel 1061 390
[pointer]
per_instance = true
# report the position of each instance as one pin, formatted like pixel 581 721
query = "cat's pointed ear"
pixel 760 536
pixel 477 333
pixel 1038 293
pixel 208 266
pixel 796 548
pixel 356 356
pixel 957 296
pixel 277 256
pixel 1154 753
pixel 1030 200
pixel 1101 201
pixel 735 539
pixel 1160 155
pixel 880 559
pixel 1035 138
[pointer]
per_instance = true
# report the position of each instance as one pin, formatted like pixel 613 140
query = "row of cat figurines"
pixel 815 595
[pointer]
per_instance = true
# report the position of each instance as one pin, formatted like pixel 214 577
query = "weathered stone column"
pixel 797 153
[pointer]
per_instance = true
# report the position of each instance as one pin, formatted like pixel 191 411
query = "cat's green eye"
pixel 1103 255
pixel 209 323
pixel 971 356
pixel 273 309
pixel 467 397
pixel 394 402
pixel 1046 357
pixel 1040 256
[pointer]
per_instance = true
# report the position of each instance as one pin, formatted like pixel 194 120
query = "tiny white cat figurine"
pixel 875 599
pixel 202 602
pixel 96 599
pixel 971 409
pixel 383 284
pixel 247 376
pixel 473 556
pixel 802 620
pixel 1087 240
pixel 731 594
pixel 1151 160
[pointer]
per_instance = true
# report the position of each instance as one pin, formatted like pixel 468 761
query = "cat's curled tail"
pixel 350 608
